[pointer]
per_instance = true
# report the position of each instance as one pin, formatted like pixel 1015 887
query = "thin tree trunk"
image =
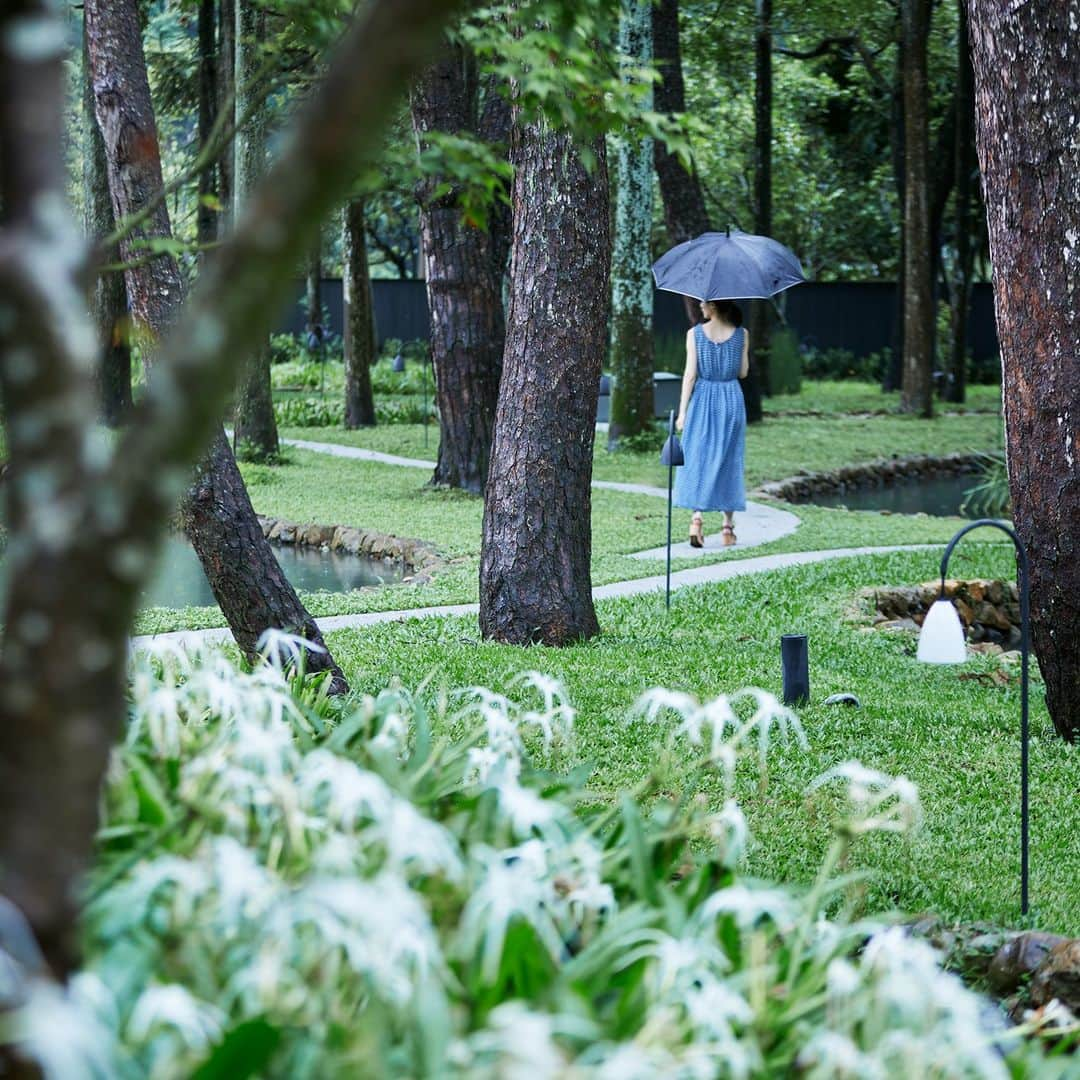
pixel 313 290
pixel 359 318
pixel 761 310
pixel 893 375
pixel 680 191
pixel 206 217
pixel 956 378
pixel 254 424
pixel 1027 82
pixel 464 295
pixel 632 349
pixel 85 523
pixel 108 301
pixel 917 390
pixel 217 515
pixel 534 562
pixel 225 84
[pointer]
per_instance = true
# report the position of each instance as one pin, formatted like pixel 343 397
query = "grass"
pixel 830 397
pixel 955 736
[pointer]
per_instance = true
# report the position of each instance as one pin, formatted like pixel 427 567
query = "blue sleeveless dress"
pixel 714 435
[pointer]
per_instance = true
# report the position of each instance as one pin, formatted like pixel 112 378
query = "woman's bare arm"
pixel 744 367
pixel 688 379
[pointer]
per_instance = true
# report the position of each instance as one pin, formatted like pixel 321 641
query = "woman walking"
pixel 712 417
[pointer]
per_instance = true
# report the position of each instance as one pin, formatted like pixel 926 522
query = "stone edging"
pixel 419 559
pixel 804 486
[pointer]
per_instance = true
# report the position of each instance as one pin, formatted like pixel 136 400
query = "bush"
pixel 285 348
pixel 309 412
pixel 325 890
pixel 990 497
pixel 842 364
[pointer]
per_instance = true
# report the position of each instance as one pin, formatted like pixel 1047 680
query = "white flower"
pixel 832 1056
pixel 198 1024
pixel 748 906
pixel 879 802
pixel 729 829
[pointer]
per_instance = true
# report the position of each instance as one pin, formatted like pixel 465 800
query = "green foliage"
pixel 990 497
pixel 785 364
pixel 411 885
pixel 843 364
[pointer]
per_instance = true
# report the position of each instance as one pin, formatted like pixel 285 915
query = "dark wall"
pixel 856 316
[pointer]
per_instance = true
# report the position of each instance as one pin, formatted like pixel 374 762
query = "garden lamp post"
pixel 941 641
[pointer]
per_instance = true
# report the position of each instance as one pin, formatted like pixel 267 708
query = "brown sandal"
pixel 697 532
pixel 727 536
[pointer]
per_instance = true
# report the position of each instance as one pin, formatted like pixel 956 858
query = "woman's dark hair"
pixel 728 310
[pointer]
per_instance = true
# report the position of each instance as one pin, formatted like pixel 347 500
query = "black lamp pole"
pixel 1023 580
pixel 670 482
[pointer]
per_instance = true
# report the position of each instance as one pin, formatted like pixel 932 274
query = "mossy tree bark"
pixel 535 583
pixel 108 300
pixel 216 513
pixel 917 390
pixel 761 310
pixel 255 429
pixel 464 293
pixel 85 518
pixel 359 318
pixel 206 216
pixel 1027 83
pixel 632 349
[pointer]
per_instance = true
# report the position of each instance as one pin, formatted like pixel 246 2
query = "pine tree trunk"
pixel 956 380
pixel 632 351
pixel 255 428
pixel 917 388
pixel 760 310
pixel 464 295
pixel 206 218
pixel 250 589
pixel 225 84
pixel 680 191
pixel 359 318
pixel 893 375
pixel 1027 83
pixel 495 126
pixel 108 301
pixel 534 563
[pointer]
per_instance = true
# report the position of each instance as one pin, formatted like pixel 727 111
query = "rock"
pixel 967 616
pixel 351 540
pixel 843 699
pixel 900 624
pixel 1020 956
pixel 995 592
pixel 1058 975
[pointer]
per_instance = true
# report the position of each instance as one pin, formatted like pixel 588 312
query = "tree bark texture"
pixel 495 124
pixel 359 330
pixel 534 565
pixel 84 518
pixel 632 350
pixel 917 390
pixel 251 589
pixel 313 288
pixel 464 294
pixel 680 191
pixel 108 300
pixel 893 376
pixel 255 428
pixel 956 377
pixel 1027 84
pixel 761 310
pixel 206 217
pixel 225 80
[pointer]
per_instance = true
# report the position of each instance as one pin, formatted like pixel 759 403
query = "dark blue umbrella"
pixel 731 265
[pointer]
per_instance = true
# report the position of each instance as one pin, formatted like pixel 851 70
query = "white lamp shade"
pixel 941 640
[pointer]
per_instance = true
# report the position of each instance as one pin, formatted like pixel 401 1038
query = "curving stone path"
pixel 758 525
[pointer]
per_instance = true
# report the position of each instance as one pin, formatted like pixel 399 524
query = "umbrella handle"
pixel 670 482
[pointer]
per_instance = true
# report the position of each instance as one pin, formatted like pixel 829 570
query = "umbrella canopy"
pixel 728 266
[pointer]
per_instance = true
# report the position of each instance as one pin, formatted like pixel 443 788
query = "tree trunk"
pixel 464 295
pixel 1027 82
pixel 761 310
pixel 956 377
pixel 917 389
pixel 247 581
pixel 84 522
pixel 893 375
pixel 206 217
pixel 495 125
pixel 632 406
pixel 359 330
pixel 534 561
pixel 225 84
pixel 255 429
pixel 680 191
pixel 108 302
pixel 313 290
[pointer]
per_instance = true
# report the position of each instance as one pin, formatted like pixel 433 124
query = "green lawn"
pixel 849 396
pixel 954 735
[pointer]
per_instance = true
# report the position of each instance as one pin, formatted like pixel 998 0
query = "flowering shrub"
pixel 291 888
